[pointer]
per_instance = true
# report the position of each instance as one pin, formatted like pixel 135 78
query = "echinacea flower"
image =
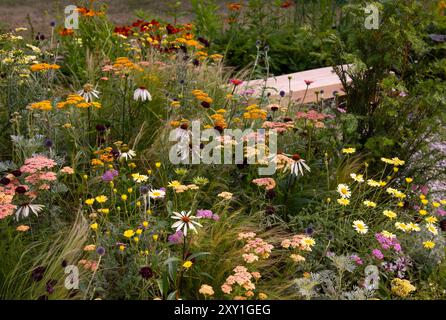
pixel 127 155
pixel 25 209
pixel 88 93
pixel 142 94
pixel 360 226
pixel 298 165
pixel 186 221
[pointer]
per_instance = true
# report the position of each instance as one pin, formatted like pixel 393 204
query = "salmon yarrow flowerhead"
pixel 360 227
pixel 185 222
pixel 206 290
pixel 225 195
pixel 344 191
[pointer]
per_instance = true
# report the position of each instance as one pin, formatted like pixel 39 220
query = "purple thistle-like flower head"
pixel 176 238
pixel 109 175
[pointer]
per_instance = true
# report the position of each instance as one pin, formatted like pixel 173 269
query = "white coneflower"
pixel 186 221
pixel 127 155
pixel 142 94
pixel 88 93
pixel 25 209
pixel 298 165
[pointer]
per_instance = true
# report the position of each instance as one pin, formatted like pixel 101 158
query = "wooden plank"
pixel 323 79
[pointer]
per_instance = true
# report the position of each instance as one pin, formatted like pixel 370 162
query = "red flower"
pixel 236 82
pixel 308 82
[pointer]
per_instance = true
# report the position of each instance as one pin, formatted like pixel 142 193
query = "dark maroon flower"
pixel 37 273
pixel 20 189
pixel 16 173
pixel 443 225
pixel 219 129
pixel 205 104
pixel 5 181
pixel 146 273
pixel 204 41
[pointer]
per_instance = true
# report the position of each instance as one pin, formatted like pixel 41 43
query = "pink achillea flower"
pixel 387 243
pixel 250 257
pixel 242 278
pixel 258 247
pixel 313 115
pixel 279 127
pixel 37 163
pixel 268 183
pixel 246 235
pixel 67 170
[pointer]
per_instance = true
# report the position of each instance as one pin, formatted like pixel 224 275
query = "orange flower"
pixel 66 32
pixel 23 228
pixel 234 6
pixel 43 67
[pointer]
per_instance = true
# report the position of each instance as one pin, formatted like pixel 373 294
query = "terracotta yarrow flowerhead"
pixel 185 222
pixel 142 94
pixel 88 93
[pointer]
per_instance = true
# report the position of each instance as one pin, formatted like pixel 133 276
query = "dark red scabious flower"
pixel 236 82
pixel 308 82
pixel 184 126
pixel 146 273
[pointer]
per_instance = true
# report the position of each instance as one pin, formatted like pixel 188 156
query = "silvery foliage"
pixel 328 284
